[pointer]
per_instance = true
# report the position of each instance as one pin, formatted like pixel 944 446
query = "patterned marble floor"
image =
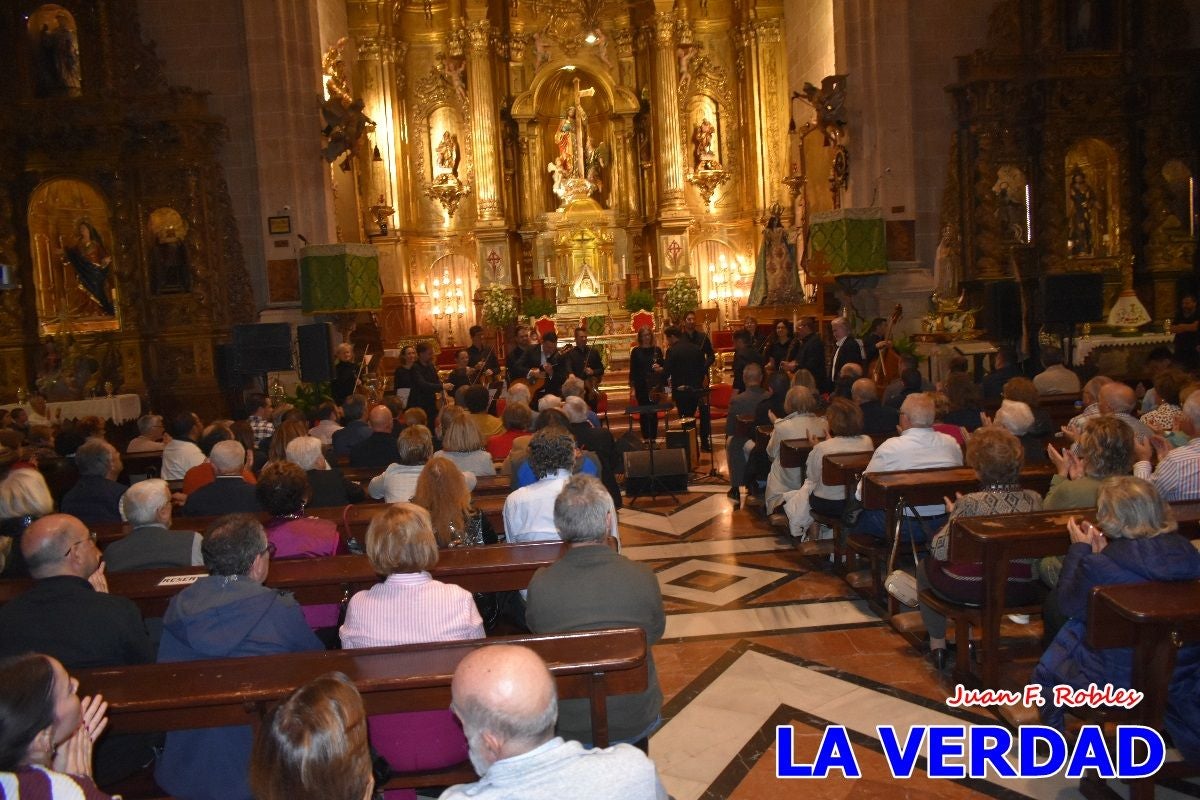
pixel 758 636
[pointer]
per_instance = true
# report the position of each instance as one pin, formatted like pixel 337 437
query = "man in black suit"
pixel 96 496
pixel 808 350
pixel 1006 369
pixel 743 354
pixel 378 449
pixel 877 418
pixel 516 357
pixel 354 430
pixel 685 371
pixel 583 360
pixel 427 387
pixel 482 358
pixel 545 360
pixel 846 350
pixel 229 493
pixel 699 338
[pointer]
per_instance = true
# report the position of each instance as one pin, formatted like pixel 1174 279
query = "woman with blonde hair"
pixel 24 496
pixel 410 607
pixel 284 434
pixel 442 491
pixel 462 443
pixel 313 746
pixel 800 423
pixel 1134 540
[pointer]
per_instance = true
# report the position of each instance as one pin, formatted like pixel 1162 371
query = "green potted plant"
pixel 639 300
pixel 537 307
pixel 681 298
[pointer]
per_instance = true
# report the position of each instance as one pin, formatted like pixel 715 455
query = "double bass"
pixel 886 367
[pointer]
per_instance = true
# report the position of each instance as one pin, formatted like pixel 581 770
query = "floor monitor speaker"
pixel 664 469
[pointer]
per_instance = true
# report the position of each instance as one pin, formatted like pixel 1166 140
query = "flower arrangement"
pixel 682 297
pixel 499 310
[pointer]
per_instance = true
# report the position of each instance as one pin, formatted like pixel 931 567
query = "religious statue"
pixel 944 278
pixel 169 262
pixel 703 156
pixel 452 70
pixel 58 57
pixel 1084 214
pixel 448 153
pixel 776 280
pixel 577 160
pixel 828 101
pixel 92 264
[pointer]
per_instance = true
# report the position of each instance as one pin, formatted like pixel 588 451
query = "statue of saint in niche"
pixel 448 154
pixel 1084 212
pixel 576 166
pixel 92 264
pixel 703 157
pixel 169 261
pixel 776 279
pixel 56 52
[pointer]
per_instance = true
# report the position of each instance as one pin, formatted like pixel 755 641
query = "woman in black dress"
pixel 779 349
pixel 645 368
pixel 402 378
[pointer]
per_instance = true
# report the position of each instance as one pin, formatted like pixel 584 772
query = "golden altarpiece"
pixel 115 223
pixel 568 149
pixel 1075 153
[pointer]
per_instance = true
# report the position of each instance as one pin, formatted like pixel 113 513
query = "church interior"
pixel 188 183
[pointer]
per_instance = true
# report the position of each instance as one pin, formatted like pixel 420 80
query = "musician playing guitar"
pixel 584 362
pixel 482 358
pixel 546 365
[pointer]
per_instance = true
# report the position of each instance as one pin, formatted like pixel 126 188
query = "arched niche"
pixel 1092 178
pixel 54 52
pixel 555 97
pixel 451 287
pixel 444 142
pixel 703 110
pixel 74 266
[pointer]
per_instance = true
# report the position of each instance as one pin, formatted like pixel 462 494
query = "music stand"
pixel 655 482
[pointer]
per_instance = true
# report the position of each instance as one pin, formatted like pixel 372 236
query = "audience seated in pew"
pixel 1017 418
pixel 442 491
pixel 48 733
pixel 96 495
pixel 150 543
pixel 878 419
pixel 151 436
pixel 941 407
pixel 996 456
pixel 313 746
pixel 409 607
pixel 591 587
pixel 518 420
pixel 181 453
pixel 68 614
pixel 24 497
pixel 398 482
pixel 379 448
pixel 574 386
pixel 595 440
pixel 1022 390
pixel 203 473
pixel 230 492
pixel 1167 386
pixel 522 472
pixel 462 444
pixel 529 511
pixel 227 613
pixel 966 401
pixel 1054 377
pixel 758 464
pixel 1134 540
pixel 285 432
pixel 1177 476
pixel 742 404
pixel 327 485
pixel 327 423
pixel 506 700
pixel 844 419
pixel 476 400
pixel 917 447
pixel 1104 449
pixel 354 429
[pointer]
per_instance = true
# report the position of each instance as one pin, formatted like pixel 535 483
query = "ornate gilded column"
pixel 664 99
pixel 762 69
pixel 484 131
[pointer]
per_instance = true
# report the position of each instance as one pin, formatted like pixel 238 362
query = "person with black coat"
pixel 646 366
pixel 427 387
pixel 686 371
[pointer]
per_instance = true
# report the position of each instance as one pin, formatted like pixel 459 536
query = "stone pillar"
pixel 664 98
pixel 485 134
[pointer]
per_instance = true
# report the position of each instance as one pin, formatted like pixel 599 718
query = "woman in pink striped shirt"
pixel 410 607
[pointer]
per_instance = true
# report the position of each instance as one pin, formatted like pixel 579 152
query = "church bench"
pixel 484 484
pixel 1060 407
pixel 845 470
pixel 794 453
pixel 885 491
pixel 1155 619
pixel 995 542
pixel 239 691
pixel 332 579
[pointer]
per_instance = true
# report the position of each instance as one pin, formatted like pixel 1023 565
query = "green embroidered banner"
pixel 848 241
pixel 339 277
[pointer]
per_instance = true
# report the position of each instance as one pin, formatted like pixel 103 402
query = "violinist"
pixel 482 357
pixel 402 378
pixel 461 374
pixel 778 351
pixel 546 362
pixel 345 373
pixel 584 360
pixel 645 378
pixel 758 342
pixel 516 356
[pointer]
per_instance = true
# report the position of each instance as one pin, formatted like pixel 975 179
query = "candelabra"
pixel 448 302
pixel 726 287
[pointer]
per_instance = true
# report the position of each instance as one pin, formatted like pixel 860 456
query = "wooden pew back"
pixel 882 490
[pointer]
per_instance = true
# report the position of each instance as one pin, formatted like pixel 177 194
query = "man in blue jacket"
pixel 225 614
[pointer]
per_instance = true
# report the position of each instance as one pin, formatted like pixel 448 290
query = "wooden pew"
pixel 239 691
pixel 333 579
pixel 1060 407
pixel 484 484
pixel 844 469
pixel 794 453
pixel 995 542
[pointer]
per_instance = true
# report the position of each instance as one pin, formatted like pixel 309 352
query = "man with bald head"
pixel 68 614
pixel 1118 400
pixel 506 700
pixel 878 419
pixel 229 493
pixel 379 449
pixel 96 495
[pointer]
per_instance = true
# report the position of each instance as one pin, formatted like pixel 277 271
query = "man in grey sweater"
pixel 506 700
pixel 592 587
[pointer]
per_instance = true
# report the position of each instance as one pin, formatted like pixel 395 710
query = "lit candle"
pixel 624 271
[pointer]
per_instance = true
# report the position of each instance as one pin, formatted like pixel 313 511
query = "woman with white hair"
pixel 1018 419
pixel 329 487
pixel 1134 540
pixel 24 496
pixel 800 423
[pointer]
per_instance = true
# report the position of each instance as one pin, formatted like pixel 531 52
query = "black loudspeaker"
pixel 227 377
pixel 1072 299
pixel 266 347
pixel 665 470
pixel 685 439
pixel 316 352
pixel 1002 310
